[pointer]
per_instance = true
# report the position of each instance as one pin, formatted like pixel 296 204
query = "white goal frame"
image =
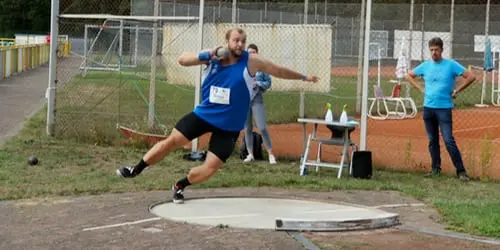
pixel 103 66
pixel 106 17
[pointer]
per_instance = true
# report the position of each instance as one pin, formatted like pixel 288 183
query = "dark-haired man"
pixel 439 76
pixel 225 101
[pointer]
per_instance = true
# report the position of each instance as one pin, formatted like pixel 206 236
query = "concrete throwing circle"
pixel 274 213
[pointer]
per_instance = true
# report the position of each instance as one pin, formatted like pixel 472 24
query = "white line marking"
pixel 476 128
pixel 215 217
pixel 122 224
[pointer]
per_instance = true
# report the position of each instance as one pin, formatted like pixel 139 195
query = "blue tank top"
pixel 225 94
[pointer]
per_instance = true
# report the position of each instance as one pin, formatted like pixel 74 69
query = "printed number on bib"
pixel 219 95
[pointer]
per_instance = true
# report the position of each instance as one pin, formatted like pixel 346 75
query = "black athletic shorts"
pixel 222 142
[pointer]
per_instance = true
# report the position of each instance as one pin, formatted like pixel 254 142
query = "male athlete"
pixel 226 88
pixel 439 75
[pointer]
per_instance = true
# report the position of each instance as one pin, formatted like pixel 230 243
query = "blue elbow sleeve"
pixel 204 56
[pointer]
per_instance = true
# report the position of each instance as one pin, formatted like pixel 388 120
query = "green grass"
pixel 69 168
pixel 84 156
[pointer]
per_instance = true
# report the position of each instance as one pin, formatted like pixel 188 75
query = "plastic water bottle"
pixel 329 113
pixel 343 116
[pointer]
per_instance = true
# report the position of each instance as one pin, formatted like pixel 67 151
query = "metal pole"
pixel 486 37
pixel 378 64
pixel 85 52
pixel 265 11
pixel 316 12
pixel 302 93
pixel 136 45
pixel 234 12
pixel 51 89
pixel 194 146
pixel 306 7
pixel 152 83
pixel 364 99
pixel 335 38
pixel 411 33
pixel 120 46
pixel 352 35
pixel 326 7
pixel 173 9
pixel 452 22
pixel 423 33
pixel 360 57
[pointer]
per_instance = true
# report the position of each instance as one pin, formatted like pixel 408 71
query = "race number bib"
pixel 219 95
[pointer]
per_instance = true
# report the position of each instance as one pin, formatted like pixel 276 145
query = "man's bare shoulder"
pixel 255 58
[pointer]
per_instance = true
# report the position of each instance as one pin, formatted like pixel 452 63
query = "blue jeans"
pixel 434 120
pixel 257 111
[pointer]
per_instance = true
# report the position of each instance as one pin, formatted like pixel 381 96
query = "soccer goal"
pixel 114 44
pixel 103 47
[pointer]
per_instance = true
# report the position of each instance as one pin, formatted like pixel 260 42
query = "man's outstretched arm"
pixel 202 57
pixel 193 59
pixel 258 63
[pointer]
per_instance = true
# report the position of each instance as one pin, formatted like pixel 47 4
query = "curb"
pixel 336 225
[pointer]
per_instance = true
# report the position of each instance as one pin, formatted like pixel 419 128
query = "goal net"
pixel 104 46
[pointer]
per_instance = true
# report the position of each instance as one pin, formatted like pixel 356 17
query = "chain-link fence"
pixel 106 81
pixel 111 80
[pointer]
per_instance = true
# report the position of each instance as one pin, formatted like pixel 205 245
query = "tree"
pixel 33 16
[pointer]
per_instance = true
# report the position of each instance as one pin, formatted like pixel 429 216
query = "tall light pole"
pixel 364 99
pixel 359 85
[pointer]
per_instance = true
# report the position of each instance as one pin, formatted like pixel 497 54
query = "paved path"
pixel 23 95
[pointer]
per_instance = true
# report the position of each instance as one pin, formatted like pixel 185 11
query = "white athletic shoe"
pixel 248 159
pixel 272 159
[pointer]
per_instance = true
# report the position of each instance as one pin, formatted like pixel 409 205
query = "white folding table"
pixel 344 141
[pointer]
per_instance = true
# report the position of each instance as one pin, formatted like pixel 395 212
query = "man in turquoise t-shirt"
pixel 439 76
